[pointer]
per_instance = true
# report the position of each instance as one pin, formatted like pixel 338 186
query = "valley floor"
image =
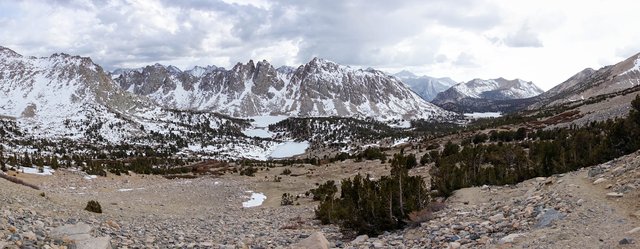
pixel 561 211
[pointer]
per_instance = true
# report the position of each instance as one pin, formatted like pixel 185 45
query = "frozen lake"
pixel 258 132
pixel 260 126
pixel 264 121
pixel 289 149
pixel 476 115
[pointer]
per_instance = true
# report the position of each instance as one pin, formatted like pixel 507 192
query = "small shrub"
pixel 93 206
pixel 248 171
pixel 287 199
pixel 286 172
pixel 42 194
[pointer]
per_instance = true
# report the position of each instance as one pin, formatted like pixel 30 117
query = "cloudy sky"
pixel 545 41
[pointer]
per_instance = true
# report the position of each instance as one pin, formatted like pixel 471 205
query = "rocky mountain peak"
pixel 319 64
pixel 4 51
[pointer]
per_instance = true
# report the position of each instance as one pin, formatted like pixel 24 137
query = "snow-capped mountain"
pixel 590 83
pixel 318 88
pixel 425 86
pixel 65 97
pixel 494 94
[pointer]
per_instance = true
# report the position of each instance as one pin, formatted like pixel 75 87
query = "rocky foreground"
pixel 597 207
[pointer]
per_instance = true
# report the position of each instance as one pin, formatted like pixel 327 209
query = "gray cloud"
pixel 524 37
pixel 120 33
pixel 465 60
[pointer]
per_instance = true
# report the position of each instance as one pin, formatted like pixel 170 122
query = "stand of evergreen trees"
pixel 545 153
pixel 369 206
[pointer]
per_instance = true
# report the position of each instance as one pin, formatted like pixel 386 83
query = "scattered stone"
pixel 315 241
pixel 94 243
pixel 113 224
pixel 360 239
pixel 548 218
pixel 497 218
pixel 625 241
pixel 594 171
pixel 599 180
pixel 78 231
pixel 510 238
pixel 454 245
pixel 615 194
pixel 378 244
pixel 29 235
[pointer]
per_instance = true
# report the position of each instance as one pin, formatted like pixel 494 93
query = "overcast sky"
pixel 545 41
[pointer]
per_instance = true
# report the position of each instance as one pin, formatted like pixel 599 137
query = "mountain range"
pixel 71 97
pixel 480 95
pixel 318 88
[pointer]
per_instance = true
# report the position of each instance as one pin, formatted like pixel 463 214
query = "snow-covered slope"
pixel 425 86
pixel 318 88
pixel 487 95
pixel 71 98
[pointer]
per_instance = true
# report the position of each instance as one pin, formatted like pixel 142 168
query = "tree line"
pixel 544 153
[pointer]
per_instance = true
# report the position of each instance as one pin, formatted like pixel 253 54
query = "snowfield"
pixel 47 171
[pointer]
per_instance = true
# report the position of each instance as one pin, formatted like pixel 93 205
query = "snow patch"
pixel 46 171
pixel 477 115
pixel 255 200
pixel 90 177
pixel 400 141
pixel 125 189
pixel 400 124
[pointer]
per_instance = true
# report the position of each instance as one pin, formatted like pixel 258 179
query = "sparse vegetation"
pixel 372 206
pixel 93 206
pixel 287 199
pixel 286 172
